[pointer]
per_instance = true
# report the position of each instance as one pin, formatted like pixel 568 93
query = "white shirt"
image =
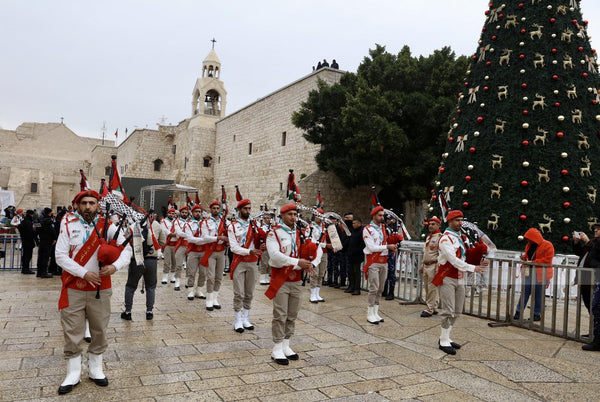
pixel 373 237
pixel 448 245
pixel 284 252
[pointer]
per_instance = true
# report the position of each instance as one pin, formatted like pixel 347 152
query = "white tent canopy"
pixel 173 187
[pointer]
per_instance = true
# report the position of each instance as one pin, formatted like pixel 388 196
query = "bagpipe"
pixel 329 219
pixel 259 235
pixel 399 232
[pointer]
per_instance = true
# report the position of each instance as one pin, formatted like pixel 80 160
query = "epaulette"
pixel 276 227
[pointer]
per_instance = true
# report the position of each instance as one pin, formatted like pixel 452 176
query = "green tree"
pixel 383 124
pixel 522 150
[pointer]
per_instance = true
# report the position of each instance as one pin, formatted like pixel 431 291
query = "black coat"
pixel 28 235
pixel 592 248
pixel 356 246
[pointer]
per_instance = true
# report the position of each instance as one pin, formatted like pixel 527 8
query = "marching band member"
pixel 79 250
pixel 243 272
pixel 169 264
pixel 452 264
pixel 375 268
pixel 181 245
pixel 318 235
pixel 429 266
pixel 265 269
pixel 288 256
pixel 195 252
pixel 214 237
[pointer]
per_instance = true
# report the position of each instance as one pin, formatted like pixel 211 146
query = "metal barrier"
pixel 10 251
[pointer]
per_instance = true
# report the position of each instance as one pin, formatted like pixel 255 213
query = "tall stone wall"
pixel 263 170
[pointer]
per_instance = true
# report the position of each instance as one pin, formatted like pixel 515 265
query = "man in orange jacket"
pixel 540 251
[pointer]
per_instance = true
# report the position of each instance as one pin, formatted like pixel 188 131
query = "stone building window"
pixel 174 149
pixel 234 138
pixel 250 148
pixel 158 165
pixel 33 188
pixel 207 160
pixel 283 138
pixel 107 170
pixel 280 186
pixel 219 159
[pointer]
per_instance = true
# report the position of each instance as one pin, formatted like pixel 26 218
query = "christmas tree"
pixel 522 149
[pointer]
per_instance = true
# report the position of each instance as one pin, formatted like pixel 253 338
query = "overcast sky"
pixel 130 62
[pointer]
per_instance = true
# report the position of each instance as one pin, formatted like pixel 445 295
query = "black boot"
pixel 390 295
pixel 385 290
pixel 594 346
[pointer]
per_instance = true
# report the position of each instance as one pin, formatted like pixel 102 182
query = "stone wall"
pixel 263 170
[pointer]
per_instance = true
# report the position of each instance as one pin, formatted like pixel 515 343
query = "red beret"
pixel 320 210
pixel 19 210
pixel 454 214
pixel 243 203
pixel 434 219
pixel 215 202
pixel 197 206
pixel 184 207
pixel 376 210
pixel 171 210
pixel 288 207
pixel 86 193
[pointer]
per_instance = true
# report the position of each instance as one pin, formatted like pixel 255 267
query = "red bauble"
pixel 525 143
pixel 442 169
pixel 486 88
pixel 553 20
pixel 521 56
pixel 465 204
pixel 580 48
pixel 524 85
pixel 472 150
pixel 494 37
pixel 468 178
pixel 560 134
pixel 585 75
pixel 487 12
pixel 501 16
pixel 525 112
pixel 483 29
pixel 489 63
pixel 479 119
pixel 594 102
pixel 565 238
pixel 432 191
pixel 564 172
pixel 523 31
pixel 524 183
pixel 557 104
pixel 459 111
pixel 523 217
pixel 474 57
pixel 520 5
pixel 451 139
pixel 555 77
pixel 454 119
pixel 466 84
pixel 553 50
pixel 566 204
pixel 434 197
pixel 574 21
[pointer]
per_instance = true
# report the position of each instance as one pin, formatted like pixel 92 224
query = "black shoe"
pixel 210 308
pixel 594 346
pixel 88 339
pixel 126 316
pixel 455 345
pixel 239 330
pixel 101 382
pixel 435 313
pixel 336 286
pixel 447 349
pixel 251 328
pixel 390 296
pixel 314 301
pixel 293 357
pixel 348 290
pixel 384 293
pixel 283 362
pixel 149 315
pixel 172 281
pixel 177 288
pixel 517 315
pixel 537 317
pixel 425 314
pixel 356 292
pixel 217 306
pixel 27 272
pixel 45 276
pixel 164 282
pixel 65 389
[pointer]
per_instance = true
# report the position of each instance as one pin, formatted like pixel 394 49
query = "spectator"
pixel 319 66
pixel 28 241
pixel 47 241
pixel 324 64
pixel 589 257
pixel 356 256
pixel 335 65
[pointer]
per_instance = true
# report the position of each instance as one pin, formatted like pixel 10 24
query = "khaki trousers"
pixel 452 296
pixel 376 276
pixel 179 259
pixel 286 304
pixel 214 271
pixel 244 282
pixel 84 304
pixel 169 262
pixel 316 279
pixel 193 267
pixel 265 268
pixel 431 291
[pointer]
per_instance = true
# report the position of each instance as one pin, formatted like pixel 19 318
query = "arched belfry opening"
pixel 210 71
pixel 212 103
pixel 209 96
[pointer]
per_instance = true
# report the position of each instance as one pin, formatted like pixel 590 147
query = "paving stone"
pixel 323 381
pixel 525 371
pixel 239 392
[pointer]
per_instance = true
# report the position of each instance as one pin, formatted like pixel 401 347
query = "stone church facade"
pixel 253 147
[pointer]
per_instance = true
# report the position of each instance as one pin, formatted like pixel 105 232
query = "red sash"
pixel 214 246
pixel 171 242
pixel 82 257
pixel 237 258
pixel 283 274
pixel 447 270
pixel 196 248
pixel 375 258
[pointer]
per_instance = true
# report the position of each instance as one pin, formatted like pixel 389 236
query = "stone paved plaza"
pixel 187 353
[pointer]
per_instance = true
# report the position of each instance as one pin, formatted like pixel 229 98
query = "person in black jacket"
pixel 28 242
pixel 47 241
pixel 356 256
pixel 589 257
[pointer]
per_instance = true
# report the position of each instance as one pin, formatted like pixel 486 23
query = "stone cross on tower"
pixel 213 42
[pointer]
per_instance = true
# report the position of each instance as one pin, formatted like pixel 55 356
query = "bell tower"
pixel 209 95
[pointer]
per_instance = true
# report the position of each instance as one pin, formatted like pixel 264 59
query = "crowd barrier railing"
pixel 10 251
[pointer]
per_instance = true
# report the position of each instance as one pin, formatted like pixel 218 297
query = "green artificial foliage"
pixel 522 149
pixel 384 124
